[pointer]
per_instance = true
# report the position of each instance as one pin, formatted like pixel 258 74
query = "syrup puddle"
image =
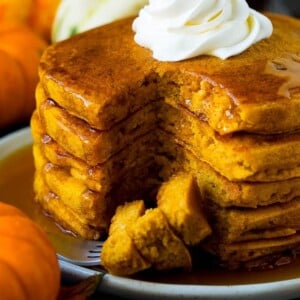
pixel 16 180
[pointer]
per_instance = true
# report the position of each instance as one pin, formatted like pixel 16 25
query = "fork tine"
pixel 97 248
pixel 76 250
pixel 95 253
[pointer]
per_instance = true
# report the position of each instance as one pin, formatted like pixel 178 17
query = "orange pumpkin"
pixel 15 10
pixel 20 52
pixel 41 16
pixel 38 14
pixel 11 98
pixel 28 265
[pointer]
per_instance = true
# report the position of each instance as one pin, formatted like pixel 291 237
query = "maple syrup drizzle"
pixel 287 67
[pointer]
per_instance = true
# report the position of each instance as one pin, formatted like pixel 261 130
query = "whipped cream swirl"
pixel 180 29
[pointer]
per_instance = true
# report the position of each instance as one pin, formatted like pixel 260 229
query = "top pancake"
pixel 102 75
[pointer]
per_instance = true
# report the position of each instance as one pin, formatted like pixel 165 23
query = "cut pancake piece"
pixel 180 200
pixel 126 215
pixel 120 257
pixel 119 254
pixel 89 144
pixel 155 240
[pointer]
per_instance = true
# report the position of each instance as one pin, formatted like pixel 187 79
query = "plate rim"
pixel 135 289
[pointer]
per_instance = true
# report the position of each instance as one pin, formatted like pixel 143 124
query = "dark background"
pixel 289 7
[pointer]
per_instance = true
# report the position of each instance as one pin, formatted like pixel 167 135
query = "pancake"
pixel 235 224
pixel 243 93
pixel 256 254
pixel 238 157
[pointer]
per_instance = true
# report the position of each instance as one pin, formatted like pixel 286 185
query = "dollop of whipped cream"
pixel 180 29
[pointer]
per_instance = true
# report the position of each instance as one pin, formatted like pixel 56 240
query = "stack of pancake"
pixel 112 124
pixel 89 171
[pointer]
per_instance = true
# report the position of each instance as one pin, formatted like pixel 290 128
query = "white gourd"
pixel 75 16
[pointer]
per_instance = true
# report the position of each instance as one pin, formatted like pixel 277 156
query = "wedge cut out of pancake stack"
pixel 112 124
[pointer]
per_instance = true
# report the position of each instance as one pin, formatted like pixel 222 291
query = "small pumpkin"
pixel 41 16
pixel 15 10
pixel 12 90
pixel 20 51
pixel 28 264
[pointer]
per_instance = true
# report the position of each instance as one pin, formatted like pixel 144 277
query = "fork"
pixel 75 250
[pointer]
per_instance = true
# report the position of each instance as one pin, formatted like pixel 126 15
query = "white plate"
pixel 138 289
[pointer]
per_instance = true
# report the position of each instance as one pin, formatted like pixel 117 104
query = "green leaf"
pixel 73 31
